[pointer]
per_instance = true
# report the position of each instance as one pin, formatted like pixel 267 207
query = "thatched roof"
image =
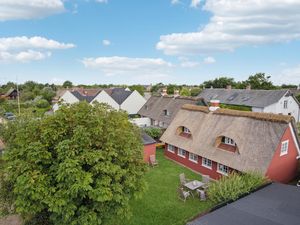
pixel 254 98
pixel 155 106
pixel 256 136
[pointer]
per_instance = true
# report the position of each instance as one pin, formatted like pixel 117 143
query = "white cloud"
pixel 29 9
pixel 174 2
pixel 195 3
pixel 102 1
pixel 209 60
pixel 25 49
pixel 237 23
pixel 123 65
pixel 106 42
pixel 288 76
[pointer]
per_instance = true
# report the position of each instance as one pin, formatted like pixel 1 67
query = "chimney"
pixel 214 105
pixel 176 93
pixel 248 87
pixel 164 92
pixel 228 87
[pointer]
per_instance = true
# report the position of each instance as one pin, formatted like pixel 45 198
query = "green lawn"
pixel 160 204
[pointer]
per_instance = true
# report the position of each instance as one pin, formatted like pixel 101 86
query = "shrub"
pixel 153 132
pixel 233 186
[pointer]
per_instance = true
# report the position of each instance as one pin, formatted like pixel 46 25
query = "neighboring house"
pixel 149 146
pixel 162 109
pixel 117 98
pixel 274 204
pixel 269 101
pixel 218 142
pixel 11 94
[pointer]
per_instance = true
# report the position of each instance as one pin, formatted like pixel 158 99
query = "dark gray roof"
pixel 10 91
pixel 81 97
pixel 120 95
pixel 254 98
pixel 155 107
pixel 276 204
pixel 147 140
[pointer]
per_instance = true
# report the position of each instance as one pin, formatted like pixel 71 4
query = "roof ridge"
pixel 253 115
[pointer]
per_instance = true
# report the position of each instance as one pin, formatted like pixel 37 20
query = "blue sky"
pixel 139 41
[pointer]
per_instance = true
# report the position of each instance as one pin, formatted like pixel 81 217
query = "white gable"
pixel 103 97
pixel 133 103
pixel 66 98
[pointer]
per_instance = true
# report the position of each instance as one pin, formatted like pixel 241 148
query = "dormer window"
pixel 184 132
pixel 166 112
pixel 226 143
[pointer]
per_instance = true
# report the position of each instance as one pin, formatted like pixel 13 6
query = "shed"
pixel 149 146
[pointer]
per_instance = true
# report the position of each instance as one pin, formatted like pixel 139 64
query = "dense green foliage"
pixel 185 92
pixel 220 82
pixel 195 91
pixel 138 88
pixel 67 84
pixel 160 204
pixel 153 132
pixel 233 186
pixel 260 81
pixel 298 97
pixel 81 166
pixel 236 107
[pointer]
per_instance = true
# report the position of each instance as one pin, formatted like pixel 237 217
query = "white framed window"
pixel 193 157
pixel 166 112
pixel 171 148
pixel 186 130
pixel 284 147
pixel 222 169
pixel 181 152
pixel 207 163
pixel 285 104
pixel 228 141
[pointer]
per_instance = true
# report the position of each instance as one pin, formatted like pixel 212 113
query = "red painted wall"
pixel 284 168
pixel 149 150
pixel 192 165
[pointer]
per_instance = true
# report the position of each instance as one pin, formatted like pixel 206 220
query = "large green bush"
pixel 153 132
pixel 233 186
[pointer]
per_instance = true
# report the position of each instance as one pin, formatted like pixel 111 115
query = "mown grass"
pixel 160 204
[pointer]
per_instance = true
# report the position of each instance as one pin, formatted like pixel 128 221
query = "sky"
pixel 143 41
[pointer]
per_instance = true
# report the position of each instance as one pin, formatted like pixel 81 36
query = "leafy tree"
pixel 260 81
pixel 153 132
pixel 139 88
pixel 185 92
pixel 80 166
pixel 171 88
pixel 195 91
pixel 67 84
pixel 48 93
pixel 289 86
pixel 156 87
pixel 220 82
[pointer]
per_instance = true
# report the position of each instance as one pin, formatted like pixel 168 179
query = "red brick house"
pixel 149 146
pixel 215 141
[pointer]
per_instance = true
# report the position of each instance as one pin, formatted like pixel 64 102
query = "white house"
pixel 117 98
pixel 269 101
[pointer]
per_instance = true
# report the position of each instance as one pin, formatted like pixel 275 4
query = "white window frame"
pixel 221 170
pixel 191 157
pixel 204 163
pixel 179 153
pixel 285 104
pixel 229 141
pixel 284 148
pixel 172 149
pixel 186 130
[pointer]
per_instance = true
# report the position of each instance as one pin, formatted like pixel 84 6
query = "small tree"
pixel 153 132
pixel 80 166
pixel 185 92
pixel 67 84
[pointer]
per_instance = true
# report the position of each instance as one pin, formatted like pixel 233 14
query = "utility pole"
pixel 18 97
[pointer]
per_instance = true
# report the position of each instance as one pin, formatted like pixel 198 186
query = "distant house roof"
pixel 147 140
pixel 120 94
pixel 253 98
pixel 276 204
pixel 256 135
pixel 10 91
pixel 156 106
